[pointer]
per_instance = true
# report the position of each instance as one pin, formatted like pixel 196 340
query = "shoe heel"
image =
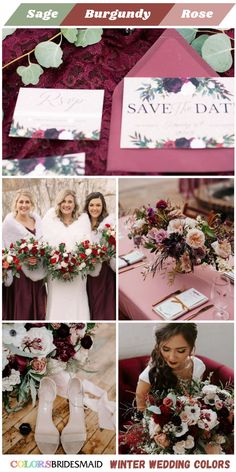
pixel 46 433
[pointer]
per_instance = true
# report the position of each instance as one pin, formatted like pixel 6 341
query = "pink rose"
pixel 195 238
pixel 162 440
pixel 39 365
pixel 176 226
pixel 167 402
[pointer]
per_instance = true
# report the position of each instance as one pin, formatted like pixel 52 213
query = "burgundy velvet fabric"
pixel 102 294
pixel 102 65
pixel 24 300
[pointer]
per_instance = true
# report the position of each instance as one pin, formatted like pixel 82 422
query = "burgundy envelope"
pixel 170 56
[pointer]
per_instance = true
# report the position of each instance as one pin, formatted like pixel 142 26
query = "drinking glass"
pixel 220 293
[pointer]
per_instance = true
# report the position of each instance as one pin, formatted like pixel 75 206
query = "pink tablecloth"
pixel 136 295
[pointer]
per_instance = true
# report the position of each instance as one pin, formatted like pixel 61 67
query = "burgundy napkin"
pixel 170 56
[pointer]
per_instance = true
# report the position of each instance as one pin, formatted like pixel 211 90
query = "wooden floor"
pixel 102 359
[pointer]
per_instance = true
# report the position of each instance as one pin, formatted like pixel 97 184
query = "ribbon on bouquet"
pixel 177 300
pixel 101 405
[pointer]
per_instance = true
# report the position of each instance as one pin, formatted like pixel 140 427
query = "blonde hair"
pixel 19 193
pixel 61 197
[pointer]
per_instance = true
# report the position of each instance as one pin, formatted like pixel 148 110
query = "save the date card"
pixel 58 114
pixel 167 113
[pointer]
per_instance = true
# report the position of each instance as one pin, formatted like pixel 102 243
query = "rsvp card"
pixel 170 113
pixel 58 114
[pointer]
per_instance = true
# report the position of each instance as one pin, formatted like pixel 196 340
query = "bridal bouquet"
pixel 30 252
pixel 199 422
pixel 108 241
pixel 189 242
pixel 10 261
pixel 61 263
pixel 33 350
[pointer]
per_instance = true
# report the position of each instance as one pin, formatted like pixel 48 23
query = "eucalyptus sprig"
pixel 215 48
pixel 50 54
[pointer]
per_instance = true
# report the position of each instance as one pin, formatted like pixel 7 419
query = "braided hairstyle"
pixel 161 375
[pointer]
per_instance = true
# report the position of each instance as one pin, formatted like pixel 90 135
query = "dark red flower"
pixel 161 204
pixel 182 143
pixel 21 363
pixel 63 331
pixel 112 240
pixel 169 145
pixel 39 133
pixel 173 84
pixel 28 326
pixel 53 260
pixel 65 350
pixel 51 133
pixel 86 342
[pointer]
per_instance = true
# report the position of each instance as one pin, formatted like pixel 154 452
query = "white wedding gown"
pixel 66 300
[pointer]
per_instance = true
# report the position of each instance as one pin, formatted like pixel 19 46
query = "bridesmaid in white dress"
pixel 66 300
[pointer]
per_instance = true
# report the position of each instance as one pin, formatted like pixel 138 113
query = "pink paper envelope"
pixel 170 56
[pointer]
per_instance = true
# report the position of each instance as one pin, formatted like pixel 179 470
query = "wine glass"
pixel 220 293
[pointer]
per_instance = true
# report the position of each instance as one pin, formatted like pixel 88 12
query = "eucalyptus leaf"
pixel 7 32
pixel 70 34
pixel 30 74
pixel 48 54
pixel 88 36
pixel 24 389
pixel 188 33
pixel 216 51
pixel 154 409
pixel 172 397
pixel 198 43
pixel 33 392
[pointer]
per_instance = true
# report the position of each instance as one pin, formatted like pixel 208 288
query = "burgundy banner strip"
pixel 117 14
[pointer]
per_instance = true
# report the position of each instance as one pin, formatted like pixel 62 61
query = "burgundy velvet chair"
pixel 129 370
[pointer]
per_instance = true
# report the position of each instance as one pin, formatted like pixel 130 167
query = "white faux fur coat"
pixel 13 231
pixel 67 300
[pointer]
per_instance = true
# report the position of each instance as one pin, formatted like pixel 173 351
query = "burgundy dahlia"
pixel 182 143
pixel 172 85
pixel 161 204
pixel 86 342
pixel 65 350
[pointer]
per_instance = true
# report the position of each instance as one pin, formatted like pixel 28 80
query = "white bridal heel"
pixel 46 433
pixel 73 435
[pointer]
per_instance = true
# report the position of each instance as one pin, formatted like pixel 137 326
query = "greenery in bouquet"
pixel 33 350
pixel 189 242
pixel 108 241
pixel 31 252
pixel 11 262
pixel 199 421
